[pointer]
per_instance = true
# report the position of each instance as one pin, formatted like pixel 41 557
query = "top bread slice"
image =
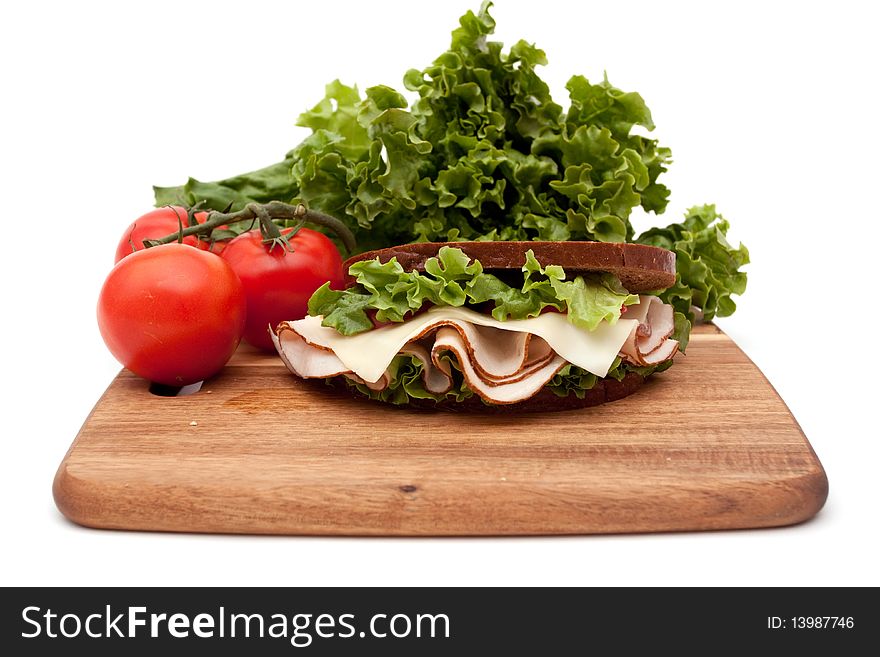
pixel 640 268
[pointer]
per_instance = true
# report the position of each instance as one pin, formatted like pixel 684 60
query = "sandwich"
pixel 490 325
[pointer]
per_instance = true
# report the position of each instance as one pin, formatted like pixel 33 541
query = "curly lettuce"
pixel 572 380
pixel 707 267
pixel 483 153
pixel 453 279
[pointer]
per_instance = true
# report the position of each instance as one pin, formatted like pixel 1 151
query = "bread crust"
pixel 639 267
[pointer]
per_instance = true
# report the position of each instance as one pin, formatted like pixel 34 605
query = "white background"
pixel 771 112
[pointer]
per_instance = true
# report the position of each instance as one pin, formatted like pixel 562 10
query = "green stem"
pixel 266 214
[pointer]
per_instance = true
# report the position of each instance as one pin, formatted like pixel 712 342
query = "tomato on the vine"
pixel 278 281
pixel 172 314
pixel 159 223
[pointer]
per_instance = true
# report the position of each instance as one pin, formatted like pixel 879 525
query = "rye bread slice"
pixel 639 267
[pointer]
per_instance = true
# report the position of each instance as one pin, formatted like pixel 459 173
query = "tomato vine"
pixel 268 216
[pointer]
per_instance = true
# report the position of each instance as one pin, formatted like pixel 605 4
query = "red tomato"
pixel 155 224
pixel 278 282
pixel 172 314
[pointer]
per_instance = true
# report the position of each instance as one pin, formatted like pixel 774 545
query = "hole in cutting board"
pixel 161 390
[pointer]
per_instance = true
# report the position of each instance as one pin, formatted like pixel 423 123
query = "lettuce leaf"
pixel 708 267
pixel 572 380
pixel 452 279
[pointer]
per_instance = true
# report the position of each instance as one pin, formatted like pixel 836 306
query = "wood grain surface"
pixel 706 445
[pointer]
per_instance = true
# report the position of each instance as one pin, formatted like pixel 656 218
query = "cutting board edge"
pixel 797 499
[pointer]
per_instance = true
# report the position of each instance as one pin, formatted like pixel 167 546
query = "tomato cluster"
pixel 175 313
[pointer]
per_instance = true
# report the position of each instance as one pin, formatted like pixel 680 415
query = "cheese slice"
pixel 368 354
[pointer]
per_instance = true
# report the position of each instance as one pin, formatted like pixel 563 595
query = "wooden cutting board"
pixel 706 445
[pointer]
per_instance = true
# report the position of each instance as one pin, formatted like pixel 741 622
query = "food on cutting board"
pixel 174 309
pixel 173 314
pixel 483 156
pixel 542 325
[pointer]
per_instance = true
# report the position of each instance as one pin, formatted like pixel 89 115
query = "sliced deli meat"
pixel 368 354
pixel 498 392
pixel 381 384
pixel 304 359
pixel 496 353
pixel 538 354
pixel 503 362
pixel 662 353
pixel 649 344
